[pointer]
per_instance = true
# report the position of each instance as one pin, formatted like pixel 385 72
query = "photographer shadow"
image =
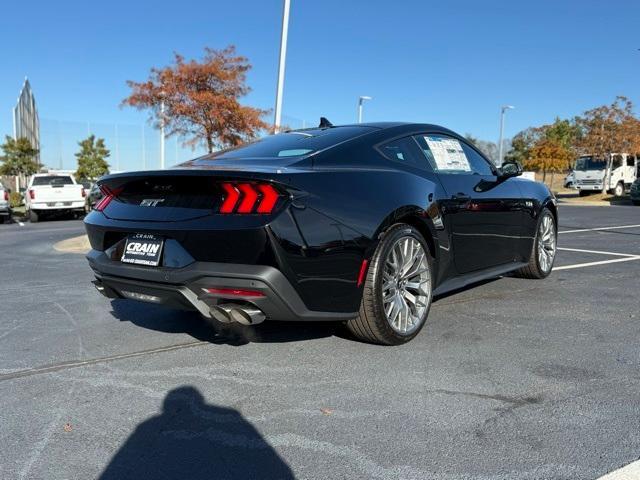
pixel 193 440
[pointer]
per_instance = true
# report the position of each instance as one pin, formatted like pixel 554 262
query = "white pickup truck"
pixel 53 193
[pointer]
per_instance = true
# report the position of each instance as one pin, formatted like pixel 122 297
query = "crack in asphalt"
pixel 93 361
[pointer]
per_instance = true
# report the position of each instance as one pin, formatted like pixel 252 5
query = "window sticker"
pixel 448 154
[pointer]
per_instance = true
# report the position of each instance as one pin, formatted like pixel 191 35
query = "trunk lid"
pixel 186 193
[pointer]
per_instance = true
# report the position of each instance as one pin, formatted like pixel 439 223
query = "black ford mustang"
pixel 363 224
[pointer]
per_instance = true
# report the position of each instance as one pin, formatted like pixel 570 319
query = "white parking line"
pixel 602 262
pixel 598 229
pixel 629 472
pixel 599 252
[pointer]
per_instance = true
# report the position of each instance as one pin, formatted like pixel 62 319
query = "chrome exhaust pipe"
pixel 243 314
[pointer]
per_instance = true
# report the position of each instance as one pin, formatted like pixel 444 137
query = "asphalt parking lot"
pixel 511 379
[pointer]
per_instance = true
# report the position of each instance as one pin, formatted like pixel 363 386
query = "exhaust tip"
pixel 220 314
pixel 243 314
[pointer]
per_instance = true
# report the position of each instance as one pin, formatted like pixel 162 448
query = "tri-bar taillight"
pixel 109 195
pixel 248 198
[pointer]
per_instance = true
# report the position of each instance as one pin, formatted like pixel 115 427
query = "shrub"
pixel 15 199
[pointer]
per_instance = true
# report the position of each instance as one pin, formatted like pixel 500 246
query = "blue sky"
pixel 452 63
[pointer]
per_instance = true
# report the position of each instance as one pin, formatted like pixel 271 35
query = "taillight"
pixel 108 196
pixel 84 193
pixel 247 198
pixel 6 196
pixel 32 194
pixel 234 292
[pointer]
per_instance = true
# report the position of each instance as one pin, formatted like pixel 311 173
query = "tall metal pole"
pixel 162 135
pixel 360 104
pixel 144 153
pixel 281 65
pixel 503 109
pixel 117 150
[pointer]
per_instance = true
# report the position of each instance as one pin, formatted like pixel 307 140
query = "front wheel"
pixel 544 248
pixel 397 290
pixel 618 191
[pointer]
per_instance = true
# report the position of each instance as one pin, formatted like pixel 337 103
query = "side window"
pixel 451 156
pixel 478 163
pixel 405 151
pixel 630 161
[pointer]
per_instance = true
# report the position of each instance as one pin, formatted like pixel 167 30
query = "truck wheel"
pixel 636 202
pixel 397 291
pixel 33 216
pixel 618 191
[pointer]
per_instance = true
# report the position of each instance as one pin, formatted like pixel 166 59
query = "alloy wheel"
pixel 546 243
pixel 406 285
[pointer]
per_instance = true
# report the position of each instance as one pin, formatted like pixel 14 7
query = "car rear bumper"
pixel 186 287
pixel 63 205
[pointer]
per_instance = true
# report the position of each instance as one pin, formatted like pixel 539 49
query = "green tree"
pixel 92 158
pixel 19 158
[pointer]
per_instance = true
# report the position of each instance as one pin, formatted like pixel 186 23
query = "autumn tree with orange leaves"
pixel 201 99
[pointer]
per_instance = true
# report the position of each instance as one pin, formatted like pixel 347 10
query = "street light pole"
pixel 281 65
pixel 162 135
pixel 503 109
pixel 360 104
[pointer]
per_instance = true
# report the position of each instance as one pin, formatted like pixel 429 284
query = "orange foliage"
pixel 201 99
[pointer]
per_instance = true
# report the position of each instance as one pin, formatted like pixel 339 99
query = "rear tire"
pixel 544 248
pixel 401 269
pixel 33 216
pixel 636 202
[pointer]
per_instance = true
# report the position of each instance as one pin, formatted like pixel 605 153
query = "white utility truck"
pixel 589 173
pixel 54 194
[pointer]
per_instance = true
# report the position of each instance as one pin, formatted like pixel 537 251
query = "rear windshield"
pixel 53 180
pixel 291 144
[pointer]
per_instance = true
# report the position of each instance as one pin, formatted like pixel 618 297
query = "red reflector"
pixel 230 199
pixel 234 292
pixel 269 198
pixel 249 198
pixel 363 271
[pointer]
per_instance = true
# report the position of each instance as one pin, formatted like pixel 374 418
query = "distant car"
pixel 53 193
pixel 5 205
pixel 570 180
pixel 93 197
pixel 635 192
pixel 359 223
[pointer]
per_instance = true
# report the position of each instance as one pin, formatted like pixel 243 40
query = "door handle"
pixel 461 197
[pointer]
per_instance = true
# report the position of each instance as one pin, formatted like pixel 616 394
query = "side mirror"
pixel 509 169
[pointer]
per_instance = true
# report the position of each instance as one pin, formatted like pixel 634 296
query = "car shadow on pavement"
pixel 193 440
pixel 162 319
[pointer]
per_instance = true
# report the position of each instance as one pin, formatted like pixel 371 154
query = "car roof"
pixel 398 127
